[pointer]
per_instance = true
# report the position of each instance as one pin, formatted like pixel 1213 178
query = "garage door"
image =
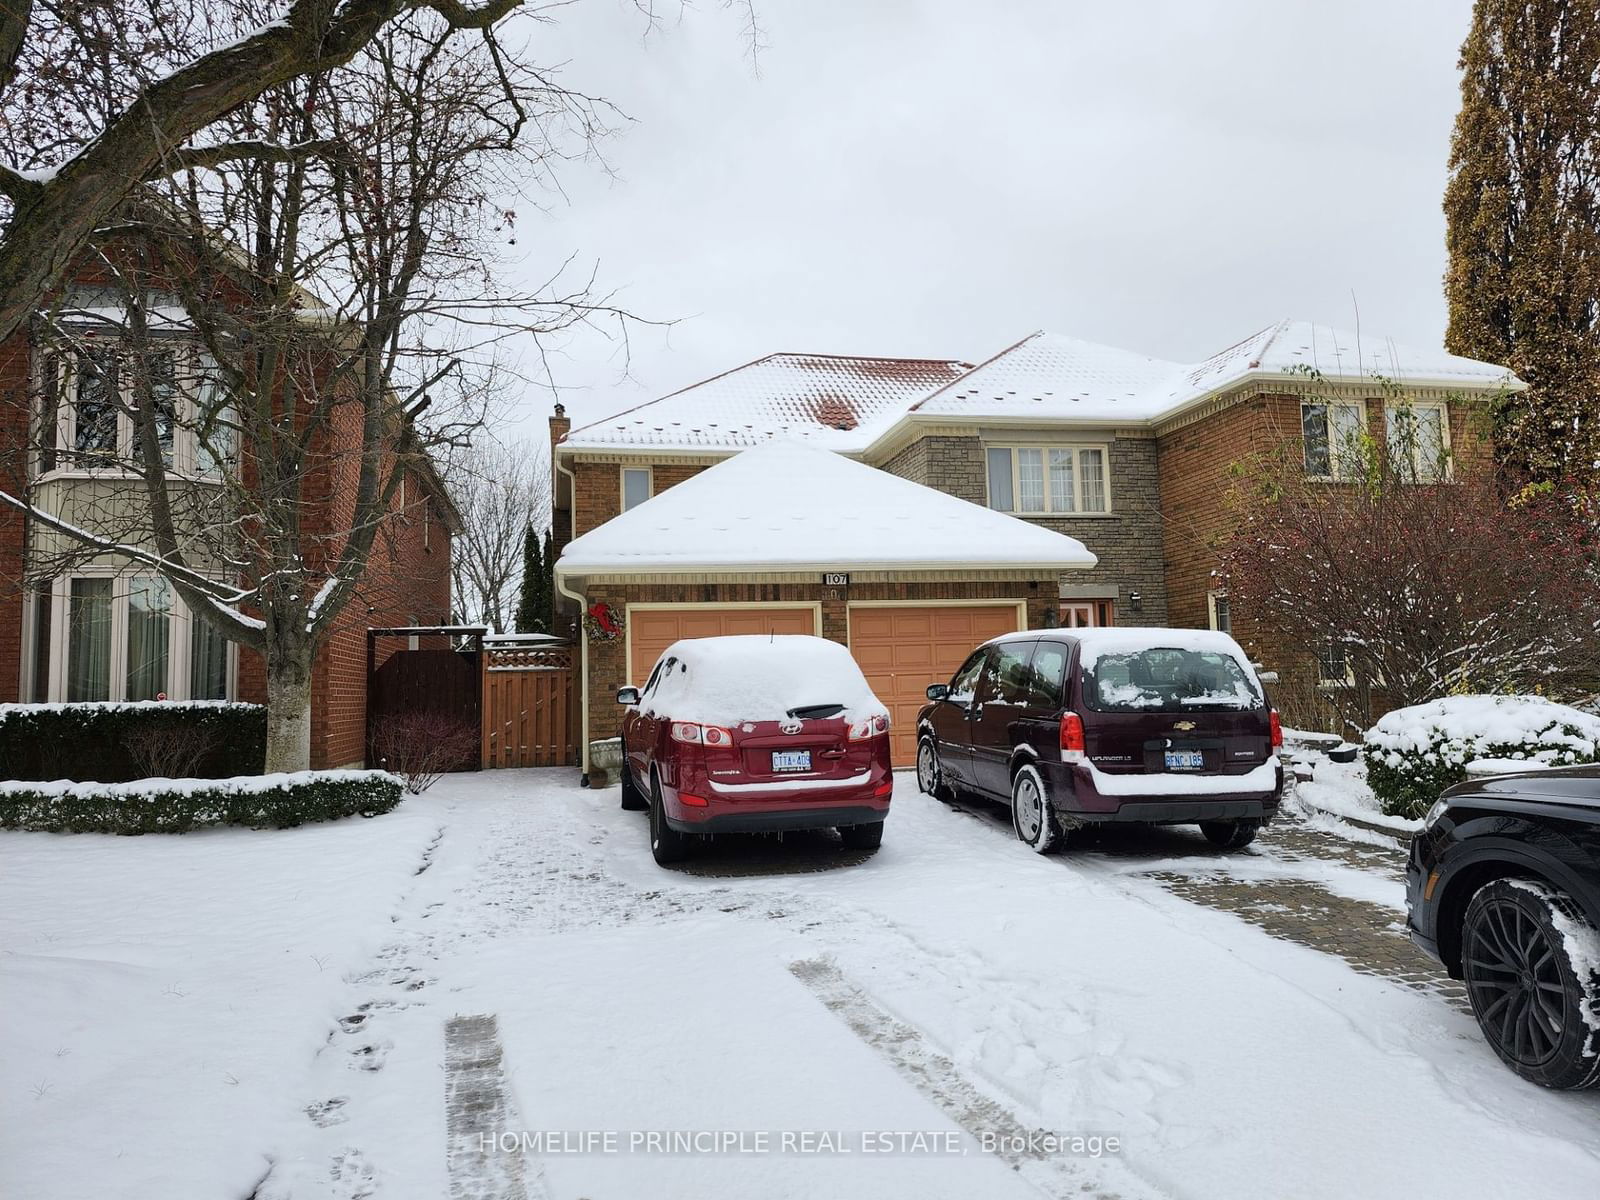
pixel 903 650
pixel 652 630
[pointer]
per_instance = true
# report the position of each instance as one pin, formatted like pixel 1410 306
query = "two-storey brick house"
pixel 1128 455
pixel 77 626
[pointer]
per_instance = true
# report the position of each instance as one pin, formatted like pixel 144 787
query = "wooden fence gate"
pixel 528 706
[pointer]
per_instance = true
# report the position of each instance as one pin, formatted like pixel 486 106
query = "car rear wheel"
pixel 633 800
pixel 930 774
pixel 1231 835
pixel 666 843
pixel 1031 815
pixel 862 837
pixel 1532 967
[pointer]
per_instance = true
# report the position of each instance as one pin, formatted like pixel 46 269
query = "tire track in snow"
pixel 936 1077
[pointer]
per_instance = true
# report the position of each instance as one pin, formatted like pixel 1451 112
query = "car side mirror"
pixel 628 695
pixel 938 691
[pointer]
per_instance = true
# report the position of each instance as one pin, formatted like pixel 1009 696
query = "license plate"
pixel 1185 760
pixel 791 760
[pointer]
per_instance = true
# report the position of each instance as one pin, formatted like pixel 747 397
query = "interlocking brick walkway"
pixel 1370 937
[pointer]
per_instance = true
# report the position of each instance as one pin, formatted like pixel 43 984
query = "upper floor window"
pixel 1331 434
pixel 1418 437
pixel 91 401
pixel 636 486
pixel 1053 480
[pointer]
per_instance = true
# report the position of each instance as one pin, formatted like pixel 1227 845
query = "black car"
pixel 1503 887
pixel 1079 727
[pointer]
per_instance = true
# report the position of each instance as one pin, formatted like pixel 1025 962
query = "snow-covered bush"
pixel 113 742
pixel 1414 753
pixel 179 805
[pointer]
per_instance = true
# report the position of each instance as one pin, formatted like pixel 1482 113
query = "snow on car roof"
pixel 1125 639
pixel 790 506
pixel 751 677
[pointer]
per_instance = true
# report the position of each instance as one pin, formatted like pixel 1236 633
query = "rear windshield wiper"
pixel 816 712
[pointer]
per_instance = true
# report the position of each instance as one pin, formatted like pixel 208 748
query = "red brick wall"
pixel 1203 465
pixel 597 490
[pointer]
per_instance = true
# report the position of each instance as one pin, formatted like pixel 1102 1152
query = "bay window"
pixel 102 636
pixel 1048 480
pixel 89 399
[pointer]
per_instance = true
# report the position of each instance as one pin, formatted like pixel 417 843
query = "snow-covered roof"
pixel 788 505
pixel 838 401
pixel 1049 377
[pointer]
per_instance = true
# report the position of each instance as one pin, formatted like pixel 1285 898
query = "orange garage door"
pixel 652 630
pixel 903 650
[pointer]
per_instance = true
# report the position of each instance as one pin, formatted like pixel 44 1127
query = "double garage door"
pixel 901 648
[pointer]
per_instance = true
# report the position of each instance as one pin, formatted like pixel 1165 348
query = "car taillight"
pixel 1277 730
pixel 869 727
pixel 701 735
pixel 1072 743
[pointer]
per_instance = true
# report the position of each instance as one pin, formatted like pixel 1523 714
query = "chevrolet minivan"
pixel 1077 727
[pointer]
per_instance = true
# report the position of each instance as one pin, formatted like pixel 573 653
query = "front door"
pixel 1088 614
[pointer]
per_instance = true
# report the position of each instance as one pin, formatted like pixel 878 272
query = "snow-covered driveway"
pixel 303 1014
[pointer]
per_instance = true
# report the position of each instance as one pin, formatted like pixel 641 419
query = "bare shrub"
pixel 168 750
pixel 420 747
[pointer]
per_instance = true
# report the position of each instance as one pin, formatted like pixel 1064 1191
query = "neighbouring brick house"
pixel 80 627
pixel 1132 456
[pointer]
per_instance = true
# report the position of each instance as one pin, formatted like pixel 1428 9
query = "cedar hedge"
pixel 101 742
pixel 179 805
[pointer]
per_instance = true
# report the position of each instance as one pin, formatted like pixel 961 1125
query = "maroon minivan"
pixel 1076 727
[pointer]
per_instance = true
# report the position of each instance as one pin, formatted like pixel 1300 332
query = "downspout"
pixel 583 642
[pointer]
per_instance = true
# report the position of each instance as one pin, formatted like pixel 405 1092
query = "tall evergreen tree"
pixel 533 574
pixel 547 592
pixel 1523 212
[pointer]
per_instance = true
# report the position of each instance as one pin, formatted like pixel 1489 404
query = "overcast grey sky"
pixel 939 178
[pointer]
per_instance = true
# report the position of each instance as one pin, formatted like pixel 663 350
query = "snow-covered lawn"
pixel 185 1016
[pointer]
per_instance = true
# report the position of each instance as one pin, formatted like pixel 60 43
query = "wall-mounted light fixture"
pixel 1136 601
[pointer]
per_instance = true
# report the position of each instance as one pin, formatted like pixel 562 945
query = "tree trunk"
pixel 288 716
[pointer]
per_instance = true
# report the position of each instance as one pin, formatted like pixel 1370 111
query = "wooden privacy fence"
pixel 528 705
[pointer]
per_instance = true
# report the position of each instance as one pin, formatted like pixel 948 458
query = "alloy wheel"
pixel 1515 984
pixel 1028 806
pixel 927 768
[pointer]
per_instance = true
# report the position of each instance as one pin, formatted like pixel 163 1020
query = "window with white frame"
pixel 1221 612
pixel 1048 480
pixel 1333 665
pixel 104 636
pixel 636 486
pixel 1418 440
pixel 90 399
pixel 1332 437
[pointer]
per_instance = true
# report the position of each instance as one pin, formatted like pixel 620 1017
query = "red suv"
pixel 755 734
pixel 1083 726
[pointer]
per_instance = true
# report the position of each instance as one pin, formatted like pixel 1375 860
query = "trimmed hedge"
pixel 91 742
pixel 179 805
pixel 1414 754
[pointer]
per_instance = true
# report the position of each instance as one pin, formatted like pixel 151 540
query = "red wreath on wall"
pixel 602 623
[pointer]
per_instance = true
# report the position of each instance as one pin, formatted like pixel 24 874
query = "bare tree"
pixel 99 96
pixel 499 492
pixel 311 326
